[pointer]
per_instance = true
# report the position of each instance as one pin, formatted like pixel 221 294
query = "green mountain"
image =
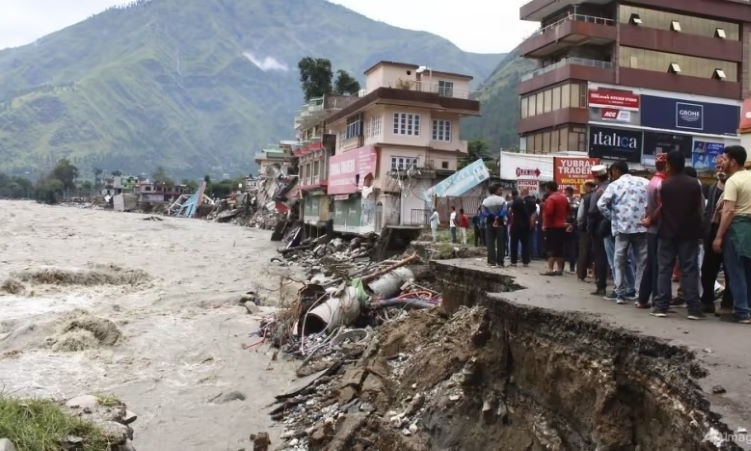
pixel 195 86
pixel 499 97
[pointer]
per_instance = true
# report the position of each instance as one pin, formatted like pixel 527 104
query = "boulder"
pixel 6 445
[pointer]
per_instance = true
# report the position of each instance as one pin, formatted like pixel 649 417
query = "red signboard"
pixel 347 170
pixel 573 171
pixel 607 98
pixel 745 124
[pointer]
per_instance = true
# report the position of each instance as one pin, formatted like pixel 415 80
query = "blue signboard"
pixel 459 182
pixel 705 153
pixel 689 116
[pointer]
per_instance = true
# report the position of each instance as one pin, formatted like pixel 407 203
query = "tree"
pixel 66 173
pixel 191 184
pixel 117 173
pixel 345 84
pixel 98 177
pixel 476 149
pixel 160 176
pixel 315 77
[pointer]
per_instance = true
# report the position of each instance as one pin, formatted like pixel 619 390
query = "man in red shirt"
pixel 555 212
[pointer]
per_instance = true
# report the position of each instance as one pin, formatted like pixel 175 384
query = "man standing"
pixel 599 230
pixel 585 242
pixel 495 236
pixel 555 211
pixel 648 285
pixel 521 227
pixel 434 221
pixel 452 224
pixel 734 234
pixel 623 202
pixel 710 267
pixel 463 225
pixel 679 231
pixel 570 248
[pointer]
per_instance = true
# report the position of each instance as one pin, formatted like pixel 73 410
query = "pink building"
pixel 400 137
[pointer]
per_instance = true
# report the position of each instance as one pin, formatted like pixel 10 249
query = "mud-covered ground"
pixel 144 309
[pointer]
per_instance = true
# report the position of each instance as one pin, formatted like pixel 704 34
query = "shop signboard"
pixel 573 171
pixel 615 144
pixel 704 154
pixel 689 116
pixel 348 170
pixel 657 142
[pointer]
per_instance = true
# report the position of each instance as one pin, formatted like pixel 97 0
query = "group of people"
pixel 646 233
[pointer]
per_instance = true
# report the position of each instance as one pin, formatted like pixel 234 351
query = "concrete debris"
pixel 223 398
pixel 261 441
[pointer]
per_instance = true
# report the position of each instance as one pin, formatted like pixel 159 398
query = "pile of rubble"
pixel 380 388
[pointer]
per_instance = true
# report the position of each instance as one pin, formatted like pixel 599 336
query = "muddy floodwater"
pixel 143 308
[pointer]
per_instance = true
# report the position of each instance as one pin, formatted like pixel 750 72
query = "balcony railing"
pixel 573 18
pixel 428 86
pixel 566 62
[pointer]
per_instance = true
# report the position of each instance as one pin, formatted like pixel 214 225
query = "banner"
pixel 705 153
pixel 516 166
pixel 611 98
pixel 615 144
pixel 573 172
pixel 459 182
pixel 689 116
pixel 348 170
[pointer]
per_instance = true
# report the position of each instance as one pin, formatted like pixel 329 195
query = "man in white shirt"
pixel 452 224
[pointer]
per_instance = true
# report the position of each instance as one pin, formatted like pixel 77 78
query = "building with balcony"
pixel 622 80
pixel 400 137
pixel 315 147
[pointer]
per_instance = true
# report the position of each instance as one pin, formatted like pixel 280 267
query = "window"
pixel 685 65
pixel 402 163
pixel 373 128
pixel 407 124
pixel 441 130
pixel 556 98
pixel 354 127
pixel 444 164
pixel 663 20
pixel 547 101
pixel 446 88
pixel 524 103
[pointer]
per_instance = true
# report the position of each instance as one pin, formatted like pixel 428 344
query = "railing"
pixel 435 88
pixel 565 62
pixel 573 18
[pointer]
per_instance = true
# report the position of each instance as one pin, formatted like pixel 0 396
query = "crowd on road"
pixel 644 233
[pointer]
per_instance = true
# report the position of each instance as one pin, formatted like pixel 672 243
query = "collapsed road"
pixel 439 355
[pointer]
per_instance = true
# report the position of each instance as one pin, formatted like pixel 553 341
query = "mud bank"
pixel 486 373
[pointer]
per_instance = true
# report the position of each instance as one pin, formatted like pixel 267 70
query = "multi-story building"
pixel 400 137
pixel 313 151
pixel 276 157
pixel 625 79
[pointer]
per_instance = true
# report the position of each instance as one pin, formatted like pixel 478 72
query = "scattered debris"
pixel 718 390
pixel 109 414
pixel 223 398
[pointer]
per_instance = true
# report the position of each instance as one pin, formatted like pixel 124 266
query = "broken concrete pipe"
pixel 340 310
pixel 390 284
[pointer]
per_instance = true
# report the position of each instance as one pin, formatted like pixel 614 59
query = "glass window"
pixel 523 107
pixel 406 124
pixel 540 106
pixel 690 65
pixel 556 98
pixel 446 88
pixel 554 142
pixel 688 24
pixel 354 126
pixel 546 142
pixel 564 139
pixel 548 101
pixel 566 96
pixel 441 130
pixel 532 104
pixel 575 95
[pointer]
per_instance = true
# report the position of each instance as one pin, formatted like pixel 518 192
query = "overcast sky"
pixel 486 26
